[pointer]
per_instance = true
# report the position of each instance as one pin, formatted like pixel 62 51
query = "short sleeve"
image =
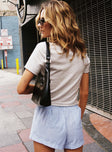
pixel 87 64
pixel 37 59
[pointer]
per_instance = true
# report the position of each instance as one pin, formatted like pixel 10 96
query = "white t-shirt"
pixel 65 75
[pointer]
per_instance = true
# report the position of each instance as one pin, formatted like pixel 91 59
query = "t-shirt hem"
pixel 64 105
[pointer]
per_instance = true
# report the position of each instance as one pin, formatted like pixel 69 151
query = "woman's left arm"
pixel 24 86
pixel 84 89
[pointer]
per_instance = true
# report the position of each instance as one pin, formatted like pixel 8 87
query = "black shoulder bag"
pixel 41 93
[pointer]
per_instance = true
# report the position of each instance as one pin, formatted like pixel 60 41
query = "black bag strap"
pixel 47 53
pixel 48 58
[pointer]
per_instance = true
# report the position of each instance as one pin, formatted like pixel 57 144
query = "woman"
pixel 59 126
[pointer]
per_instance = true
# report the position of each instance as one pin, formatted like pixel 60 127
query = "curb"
pixel 99 138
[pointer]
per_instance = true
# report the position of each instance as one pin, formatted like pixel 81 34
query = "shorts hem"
pixel 46 143
pixel 74 147
pixel 55 146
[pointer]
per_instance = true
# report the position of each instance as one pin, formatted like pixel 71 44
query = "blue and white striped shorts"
pixel 58 127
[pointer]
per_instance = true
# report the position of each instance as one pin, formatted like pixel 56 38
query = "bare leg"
pixel 42 148
pixel 74 150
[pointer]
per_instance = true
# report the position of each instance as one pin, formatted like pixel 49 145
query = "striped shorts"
pixel 58 127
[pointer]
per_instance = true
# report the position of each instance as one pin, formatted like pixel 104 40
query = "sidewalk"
pixel 16 113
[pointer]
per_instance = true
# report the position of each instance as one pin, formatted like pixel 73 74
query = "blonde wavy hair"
pixel 65 31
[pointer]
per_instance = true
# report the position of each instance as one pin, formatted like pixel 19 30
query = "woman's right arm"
pixel 84 89
pixel 24 86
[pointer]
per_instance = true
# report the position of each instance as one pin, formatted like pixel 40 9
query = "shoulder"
pixel 41 45
pixel 40 49
pixel 86 60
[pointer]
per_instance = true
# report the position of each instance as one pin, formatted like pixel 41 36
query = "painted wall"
pixel 11 23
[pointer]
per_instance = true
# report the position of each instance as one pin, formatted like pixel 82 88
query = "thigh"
pixel 74 150
pixel 42 148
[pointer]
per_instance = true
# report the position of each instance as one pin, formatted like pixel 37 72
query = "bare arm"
pixel 24 86
pixel 84 89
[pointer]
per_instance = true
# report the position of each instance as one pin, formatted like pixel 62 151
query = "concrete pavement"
pixel 16 113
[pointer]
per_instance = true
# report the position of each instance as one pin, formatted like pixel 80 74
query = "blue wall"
pixel 11 23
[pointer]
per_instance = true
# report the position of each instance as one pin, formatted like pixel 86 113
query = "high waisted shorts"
pixel 58 127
